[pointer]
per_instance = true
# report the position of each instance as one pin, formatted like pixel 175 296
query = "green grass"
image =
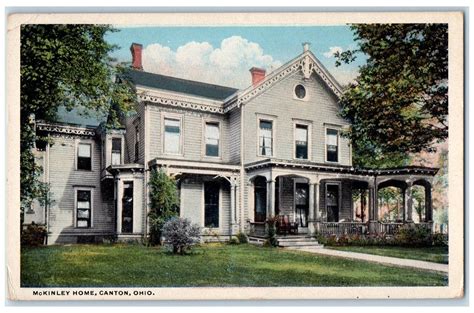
pixel 430 254
pixel 209 265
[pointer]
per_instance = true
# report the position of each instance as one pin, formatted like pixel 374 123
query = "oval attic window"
pixel 300 91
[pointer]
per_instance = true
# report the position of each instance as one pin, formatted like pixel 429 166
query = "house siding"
pixel 278 103
pixel 64 178
pixel 192 134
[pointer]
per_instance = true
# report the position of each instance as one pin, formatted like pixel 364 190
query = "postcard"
pixel 206 156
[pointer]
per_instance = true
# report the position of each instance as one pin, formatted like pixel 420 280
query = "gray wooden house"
pixel 239 157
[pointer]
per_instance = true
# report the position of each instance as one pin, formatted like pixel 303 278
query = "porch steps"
pixel 298 242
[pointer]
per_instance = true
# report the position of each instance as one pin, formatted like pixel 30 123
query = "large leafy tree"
pixel 64 65
pixel 399 102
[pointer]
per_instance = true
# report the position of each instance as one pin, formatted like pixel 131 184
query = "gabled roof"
pixel 180 85
pixel 80 116
pixel 306 62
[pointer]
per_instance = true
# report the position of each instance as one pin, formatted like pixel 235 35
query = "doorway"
pixel 301 204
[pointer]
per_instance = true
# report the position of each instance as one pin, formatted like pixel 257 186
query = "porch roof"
pixel 195 167
pixel 343 169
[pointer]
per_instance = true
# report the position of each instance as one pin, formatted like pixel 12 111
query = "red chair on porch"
pixel 284 226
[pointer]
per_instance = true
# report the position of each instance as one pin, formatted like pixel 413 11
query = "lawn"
pixel 209 265
pixel 430 254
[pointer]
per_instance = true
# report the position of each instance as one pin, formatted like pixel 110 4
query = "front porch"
pixel 337 200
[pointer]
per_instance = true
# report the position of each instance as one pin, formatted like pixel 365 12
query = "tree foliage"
pixel 181 234
pixel 399 102
pixel 164 203
pixel 64 65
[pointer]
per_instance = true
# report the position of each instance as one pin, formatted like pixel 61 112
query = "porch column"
pixel 409 202
pixel 119 205
pixel 428 204
pixel 311 202
pixel 232 202
pixel 317 213
pixel 372 208
pixel 270 198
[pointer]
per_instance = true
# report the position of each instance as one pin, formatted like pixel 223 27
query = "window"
pixel 127 207
pixel 84 161
pixel 260 199
pixel 332 142
pixel 211 204
pixel 301 141
pixel 137 142
pixel 212 139
pixel 116 151
pixel 265 146
pixel 83 208
pixel 300 92
pixel 172 140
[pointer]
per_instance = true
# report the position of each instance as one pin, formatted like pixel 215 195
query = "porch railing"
pixel 388 228
pixel 257 229
pixel 343 228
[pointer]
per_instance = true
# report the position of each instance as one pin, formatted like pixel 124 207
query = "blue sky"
pixel 225 54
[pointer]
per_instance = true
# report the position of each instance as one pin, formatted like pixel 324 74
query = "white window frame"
pixel 306 96
pixel 76 153
pixel 338 129
pixel 203 150
pixel 122 151
pixel 269 118
pixel 309 125
pixel 85 188
pixel 172 116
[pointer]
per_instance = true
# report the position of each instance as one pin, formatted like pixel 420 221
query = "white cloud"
pixel 332 50
pixel 343 75
pixel 226 65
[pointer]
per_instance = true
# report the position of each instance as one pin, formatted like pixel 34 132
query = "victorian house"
pixel 239 157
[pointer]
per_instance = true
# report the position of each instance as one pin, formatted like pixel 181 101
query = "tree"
pixel 399 102
pixel 163 203
pixel 64 65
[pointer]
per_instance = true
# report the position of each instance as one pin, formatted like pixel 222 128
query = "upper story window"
pixel 83 208
pixel 172 138
pixel 116 151
pixel 301 141
pixel 137 142
pixel 84 156
pixel 265 145
pixel 212 135
pixel 332 145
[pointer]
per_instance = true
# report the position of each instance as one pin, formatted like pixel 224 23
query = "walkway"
pixel 423 265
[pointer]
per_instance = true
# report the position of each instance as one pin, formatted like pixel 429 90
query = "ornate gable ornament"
pixel 307 63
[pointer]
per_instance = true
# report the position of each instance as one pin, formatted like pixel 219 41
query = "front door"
pixel 301 204
pixel 211 204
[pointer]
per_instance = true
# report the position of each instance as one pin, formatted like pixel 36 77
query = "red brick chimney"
pixel 258 74
pixel 136 50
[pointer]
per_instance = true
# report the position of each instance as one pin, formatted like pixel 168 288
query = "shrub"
pixel 242 237
pixel 234 241
pixel 181 234
pixel 163 203
pixel 440 240
pixel 408 235
pixel 270 230
pixel 33 235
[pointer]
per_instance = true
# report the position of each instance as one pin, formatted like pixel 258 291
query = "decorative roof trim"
pixel 181 103
pixel 306 62
pixel 61 129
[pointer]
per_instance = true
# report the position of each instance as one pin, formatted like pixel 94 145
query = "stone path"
pixel 431 266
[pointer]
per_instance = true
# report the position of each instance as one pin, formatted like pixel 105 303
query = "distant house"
pixel 239 156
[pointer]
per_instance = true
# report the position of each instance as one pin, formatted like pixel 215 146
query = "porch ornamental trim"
pixel 279 163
